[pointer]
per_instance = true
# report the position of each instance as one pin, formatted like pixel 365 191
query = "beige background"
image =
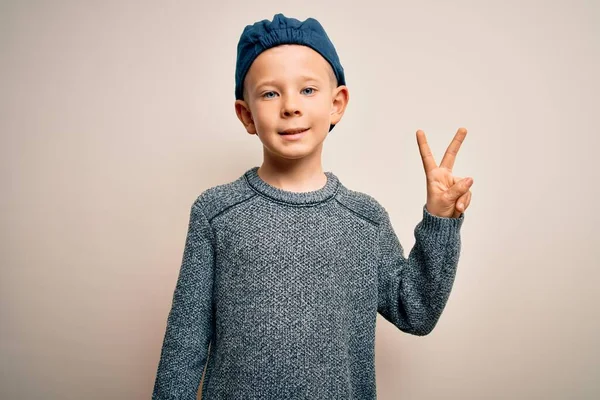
pixel 115 115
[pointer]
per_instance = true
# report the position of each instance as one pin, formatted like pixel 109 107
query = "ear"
pixel 341 96
pixel 244 114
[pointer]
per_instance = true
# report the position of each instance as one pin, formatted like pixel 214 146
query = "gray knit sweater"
pixel 286 286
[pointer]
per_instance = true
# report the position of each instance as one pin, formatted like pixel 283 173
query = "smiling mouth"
pixel 293 131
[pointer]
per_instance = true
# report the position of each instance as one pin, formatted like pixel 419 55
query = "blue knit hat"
pixel 265 34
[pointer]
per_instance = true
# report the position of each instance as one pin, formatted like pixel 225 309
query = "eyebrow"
pixel 302 78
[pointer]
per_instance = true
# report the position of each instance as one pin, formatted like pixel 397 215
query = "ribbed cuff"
pixel 441 228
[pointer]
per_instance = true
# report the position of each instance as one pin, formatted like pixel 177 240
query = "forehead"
pixel 287 62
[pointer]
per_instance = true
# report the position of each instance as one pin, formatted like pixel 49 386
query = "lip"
pixel 293 131
pixel 294 134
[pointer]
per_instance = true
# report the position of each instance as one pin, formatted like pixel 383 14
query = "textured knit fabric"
pixel 285 287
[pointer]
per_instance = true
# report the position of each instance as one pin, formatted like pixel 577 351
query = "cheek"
pixel 325 105
pixel 264 115
pixel 322 110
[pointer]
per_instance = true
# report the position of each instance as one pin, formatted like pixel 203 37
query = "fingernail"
pixel 461 206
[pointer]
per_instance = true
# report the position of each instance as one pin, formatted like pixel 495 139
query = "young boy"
pixel 285 269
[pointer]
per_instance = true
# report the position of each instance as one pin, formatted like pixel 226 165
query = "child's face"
pixel 291 86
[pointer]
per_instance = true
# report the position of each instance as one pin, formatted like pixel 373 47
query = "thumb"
pixel 459 188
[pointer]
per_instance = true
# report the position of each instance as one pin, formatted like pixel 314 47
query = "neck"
pixel 297 175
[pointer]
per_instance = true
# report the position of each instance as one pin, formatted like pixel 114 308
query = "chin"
pixel 291 152
pixel 293 155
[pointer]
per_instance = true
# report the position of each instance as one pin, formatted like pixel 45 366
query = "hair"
pixel 332 81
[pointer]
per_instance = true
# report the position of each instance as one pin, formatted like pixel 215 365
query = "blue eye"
pixel 265 95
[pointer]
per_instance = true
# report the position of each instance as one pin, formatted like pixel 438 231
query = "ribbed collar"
pixel 299 198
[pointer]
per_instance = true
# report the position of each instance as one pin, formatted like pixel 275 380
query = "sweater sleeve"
pixel 190 320
pixel 413 292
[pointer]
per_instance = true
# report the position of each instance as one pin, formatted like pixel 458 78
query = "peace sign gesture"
pixel 447 195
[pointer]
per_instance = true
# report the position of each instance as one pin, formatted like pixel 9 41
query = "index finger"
pixel 426 156
pixel 450 154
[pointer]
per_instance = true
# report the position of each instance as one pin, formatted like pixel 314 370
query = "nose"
pixel 290 106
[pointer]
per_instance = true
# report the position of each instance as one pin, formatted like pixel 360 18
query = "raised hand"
pixel 447 195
